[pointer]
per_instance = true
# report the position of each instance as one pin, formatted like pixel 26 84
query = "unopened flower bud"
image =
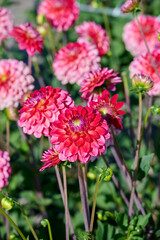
pixel 12 236
pixel 141 83
pixel 94 4
pixel 108 175
pixel 42 30
pixel 12 113
pixel 129 6
pixel 7 203
pixel 40 19
pixel 91 175
pixel 158 36
pixel 44 222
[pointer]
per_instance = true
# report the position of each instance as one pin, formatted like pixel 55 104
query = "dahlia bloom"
pixel 95 34
pixel 15 82
pixel 79 134
pixel 41 109
pixel 28 38
pixel 74 60
pixel 109 108
pixel 51 159
pixel 95 82
pixel 60 13
pixel 143 65
pixel 5 169
pixel 6 24
pixel 129 6
pixel 132 36
pixel 141 83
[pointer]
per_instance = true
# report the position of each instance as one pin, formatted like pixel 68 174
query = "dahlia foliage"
pixel 5 169
pixel 75 60
pixel 97 81
pixel 15 82
pixel 28 38
pixel 95 34
pixel 60 13
pixel 143 65
pixel 6 24
pixel 41 109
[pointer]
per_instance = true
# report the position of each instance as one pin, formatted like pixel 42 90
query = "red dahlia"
pixel 51 159
pixel 109 108
pixel 42 108
pixel 79 133
pixel 97 81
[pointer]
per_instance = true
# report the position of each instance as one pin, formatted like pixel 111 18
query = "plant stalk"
pixel 86 190
pixel 65 201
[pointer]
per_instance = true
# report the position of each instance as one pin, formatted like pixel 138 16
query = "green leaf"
pixel 143 220
pixel 146 162
pixel 157 233
pixel 100 230
pixel 121 219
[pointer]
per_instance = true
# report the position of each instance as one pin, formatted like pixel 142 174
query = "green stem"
pixel 30 226
pixel 106 23
pixel 94 205
pixel 50 232
pixel 13 223
pixel 86 190
pixel 65 201
pixel 51 39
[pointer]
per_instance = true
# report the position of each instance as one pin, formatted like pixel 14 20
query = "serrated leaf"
pixel 146 162
pixel 143 220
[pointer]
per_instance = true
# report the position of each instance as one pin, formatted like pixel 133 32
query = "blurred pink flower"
pixel 143 65
pixel 6 24
pixel 51 159
pixel 42 108
pixel 74 60
pixel 79 133
pixel 15 82
pixel 129 6
pixel 5 169
pixel 95 34
pixel 132 36
pixel 28 38
pixel 60 13
pixel 97 81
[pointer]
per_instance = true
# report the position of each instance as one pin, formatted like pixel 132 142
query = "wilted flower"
pixel 95 34
pixel 6 24
pixel 143 65
pixel 95 82
pixel 109 108
pixel 42 108
pixel 74 60
pixel 51 159
pixel 132 36
pixel 15 82
pixel 5 169
pixel 60 13
pixel 28 38
pixel 129 6
pixel 141 83
pixel 79 133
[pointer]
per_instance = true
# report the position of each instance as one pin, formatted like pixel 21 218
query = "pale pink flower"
pixel 95 34
pixel 15 82
pixel 132 36
pixel 6 24
pixel 60 13
pixel 143 65
pixel 75 60
pixel 5 169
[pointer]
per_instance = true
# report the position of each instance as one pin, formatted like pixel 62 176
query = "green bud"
pixel 101 216
pixel 44 222
pixel 109 53
pixel 12 236
pixel 155 109
pixel 108 174
pixel 42 30
pixel 94 4
pixel 40 19
pixel 91 175
pixel 7 203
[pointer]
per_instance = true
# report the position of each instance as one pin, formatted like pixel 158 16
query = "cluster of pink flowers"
pixel 15 82
pixel 5 169
pixel 96 34
pixel 60 13
pixel 6 24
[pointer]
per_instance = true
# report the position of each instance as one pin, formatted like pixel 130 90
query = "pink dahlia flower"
pixel 129 6
pixel 28 38
pixel 143 65
pixel 60 13
pixel 6 24
pixel 132 36
pixel 15 82
pixel 79 133
pixel 109 108
pixel 51 159
pixel 42 108
pixel 96 34
pixel 74 60
pixel 97 81
pixel 5 169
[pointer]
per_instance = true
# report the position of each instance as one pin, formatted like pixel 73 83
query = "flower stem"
pixel 86 190
pixel 82 193
pixel 30 63
pixel 65 201
pixel 144 39
pixel 136 161
pixel 13 223
pixel 94 205
pixel 29 224
pixel 37 71
pixel 51 39
pixel 49 230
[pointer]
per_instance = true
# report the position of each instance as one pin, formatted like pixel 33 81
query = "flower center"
pixel 3 78
pixel 107 110
pixel 77 124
